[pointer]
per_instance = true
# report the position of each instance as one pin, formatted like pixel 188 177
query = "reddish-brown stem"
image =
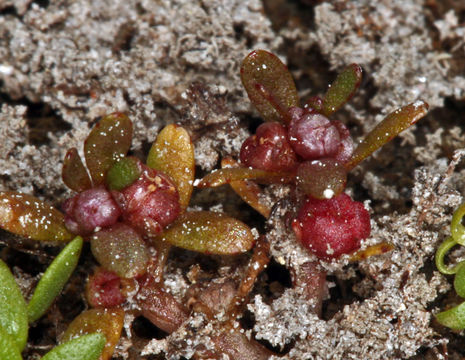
pixel 257 264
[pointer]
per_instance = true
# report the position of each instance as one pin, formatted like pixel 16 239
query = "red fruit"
pixel 269 149
pixel 150 203
pixel 90 209
pixel 330 228
pixel 103 289
pixel 313 136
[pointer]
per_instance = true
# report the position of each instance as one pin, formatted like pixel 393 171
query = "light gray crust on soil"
pixel 64 64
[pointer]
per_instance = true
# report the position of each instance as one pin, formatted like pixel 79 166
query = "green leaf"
pixel 8 348
pixel 27 216
pixel 270 85
pixel 459 280
pixel 54 279
pixel 13 311
pixel 173 154
pixel 209 233
pixel 87 347
pixel 108 142
pixel 453 318
pixel 386 130
pixel 456 227
pixel 121 249
pixel 123 173
pixel 74 174
pixel 342 89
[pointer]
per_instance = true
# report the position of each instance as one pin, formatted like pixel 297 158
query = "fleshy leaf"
pixel 108 322
pixel 386 130
pixel 322 179
pixel 456 227
pixel 247 190
pixel 209 233
pixel 159 306
pixel 27 216
pixel 120 248
pixel 453 318
pixel 123 173
pixel 372 250
pixel 342 89
pixel 227 175
pixel 234 342
pixel 173 154
pixel 13 311
pixel 54 279
pixel 74 174
pixel 8 348
pixel 108 142
pixel 269 84
pixel 87 347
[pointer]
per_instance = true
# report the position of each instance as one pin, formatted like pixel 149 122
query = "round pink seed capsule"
pixel 313 136
pixel 333 227
pixel 150 203
pixel 269 149
pixel 90 210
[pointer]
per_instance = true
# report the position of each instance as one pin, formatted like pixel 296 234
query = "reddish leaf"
pixel 225 176
pixel 109 322
pixel 247 190
pixel 173 154
pixel 342 89
pixel 74 174
pixel 108 142
pixel 209 233
pixel 27 216
pixel 237 346
pixel 386 130
pixel 269 84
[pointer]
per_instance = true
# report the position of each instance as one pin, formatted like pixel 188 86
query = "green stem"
pixel 456 228
pixel 447 244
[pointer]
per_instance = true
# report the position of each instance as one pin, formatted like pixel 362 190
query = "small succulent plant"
pixel 302 146
pixel 132 213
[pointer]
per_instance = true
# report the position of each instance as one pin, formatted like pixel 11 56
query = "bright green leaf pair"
pixel 14 313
